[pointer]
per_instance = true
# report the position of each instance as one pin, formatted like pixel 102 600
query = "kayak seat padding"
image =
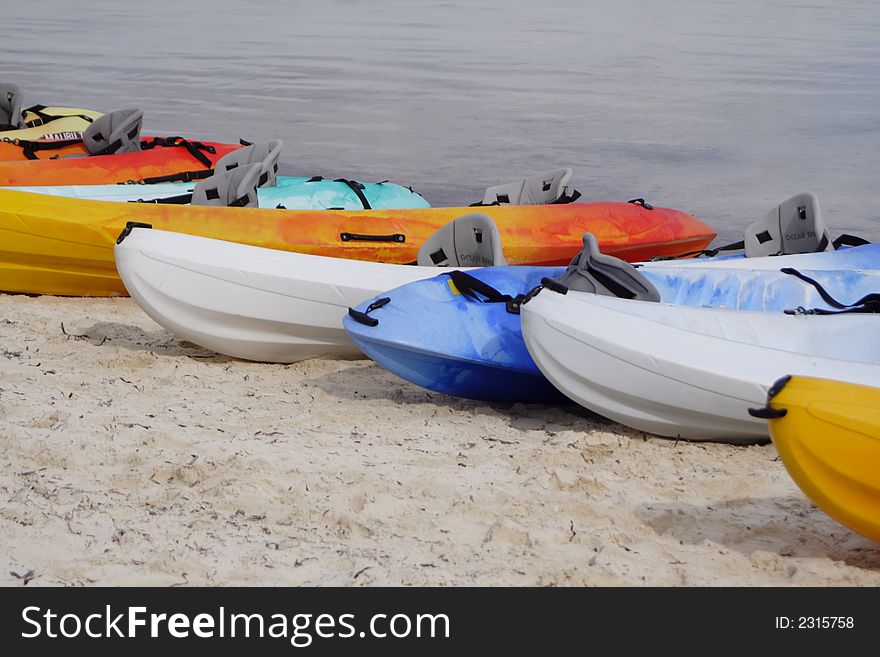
pixel 235 188
pixel 114 132
pixel 10 106
pixel 593 271
pixel 539 189
pixel 471 240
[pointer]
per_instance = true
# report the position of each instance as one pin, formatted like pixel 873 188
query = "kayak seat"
pixel 540 189
pixel 10 106
pixel 266 154
pixel 114 132
pixel 793 226
pixel 236 188
pixel 471 240
pixel 593 271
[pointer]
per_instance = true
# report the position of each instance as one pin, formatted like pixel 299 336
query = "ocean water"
pixel 720 108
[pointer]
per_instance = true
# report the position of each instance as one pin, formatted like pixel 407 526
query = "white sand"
pixel 130 457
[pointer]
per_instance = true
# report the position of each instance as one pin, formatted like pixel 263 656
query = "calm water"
pixel 718 108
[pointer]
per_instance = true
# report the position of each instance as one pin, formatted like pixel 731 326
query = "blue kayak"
pixel 866 256
pixel 432 335
pixel 466 345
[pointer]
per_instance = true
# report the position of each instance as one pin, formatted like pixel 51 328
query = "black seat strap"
pixel 181 176
pixel 471 286
pixel 184 199
pixel 194 148
pixel 870 303
pixel 30 148
pixel 709 253
pixel 474 288
pixel 240 202
pixel 567 198
pixel 642 202
pixel 618 290
pixel 849 240
pixel 45 117
pixel 180 199
pixel 358 189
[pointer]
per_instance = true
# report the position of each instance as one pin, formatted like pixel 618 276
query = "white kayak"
pixel 689 372
pixel 250 302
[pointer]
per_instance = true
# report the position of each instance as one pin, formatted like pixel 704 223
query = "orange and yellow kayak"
pixel 55 245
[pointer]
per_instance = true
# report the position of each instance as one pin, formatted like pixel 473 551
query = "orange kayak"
pixel 160 157
pixel 56 245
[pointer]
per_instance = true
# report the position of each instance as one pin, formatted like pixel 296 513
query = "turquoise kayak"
pixel 292 193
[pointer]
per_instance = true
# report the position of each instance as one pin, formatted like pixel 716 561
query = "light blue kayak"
pixel 866 256
pixel 290 192
pixel 439 336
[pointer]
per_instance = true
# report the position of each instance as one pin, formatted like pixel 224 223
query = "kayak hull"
pixel 432 334
pixel 688 372
pixel 829 442
pixel 249 302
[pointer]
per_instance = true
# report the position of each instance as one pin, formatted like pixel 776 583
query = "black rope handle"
pixel 363 316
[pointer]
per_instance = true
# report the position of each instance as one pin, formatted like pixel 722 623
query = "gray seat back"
pixel 793 226
pixel 547 187
pixel 509 193
pixel 114 132
pixel 592 271
pixel 472 240
pixel 10 106
pixel 235 188
pixel 266 154
pixel 539 189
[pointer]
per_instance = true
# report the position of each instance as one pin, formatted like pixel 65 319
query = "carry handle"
pixel 358 237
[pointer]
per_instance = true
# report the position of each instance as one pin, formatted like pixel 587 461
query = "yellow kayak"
pixel 828 437
pixel 45 127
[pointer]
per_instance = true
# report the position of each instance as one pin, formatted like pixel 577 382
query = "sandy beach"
pixel 130 457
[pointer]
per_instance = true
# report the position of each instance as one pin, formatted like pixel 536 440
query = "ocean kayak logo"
pixel 475 260
pixel 807 234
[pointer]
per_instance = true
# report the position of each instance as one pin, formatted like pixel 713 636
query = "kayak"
pixel 48 126
pixel 460 341
pixel 827 434
pixel 866 256
pixel 250 302
pixel 688 372
pixel 435 334
pixel 158 160
pixel 64 246
pixel 315 193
